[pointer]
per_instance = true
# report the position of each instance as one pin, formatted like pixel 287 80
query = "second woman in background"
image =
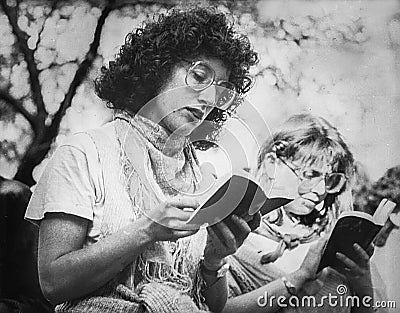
pixel 308 161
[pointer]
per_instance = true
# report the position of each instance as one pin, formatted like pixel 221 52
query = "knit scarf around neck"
pixel 167 167
pixel 173 160
pixel 289 233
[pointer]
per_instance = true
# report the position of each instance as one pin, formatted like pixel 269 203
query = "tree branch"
pixel 165 3
pixel 52 9
pixel 91 54
pixel 18 107
pixel 22 41
pixel 53 65
pixel 84 67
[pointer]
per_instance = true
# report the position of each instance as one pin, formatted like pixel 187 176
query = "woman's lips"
pixel 309 204
pixel 313 197
pixel 198 114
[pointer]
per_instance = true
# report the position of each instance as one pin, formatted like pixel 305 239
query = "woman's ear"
pixel 268 164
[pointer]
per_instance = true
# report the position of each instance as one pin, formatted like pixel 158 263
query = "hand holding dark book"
pixel 237 194
pixel 352 228
pixel 357 270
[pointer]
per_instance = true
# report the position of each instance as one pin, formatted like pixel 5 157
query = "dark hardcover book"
pixel 238 194
pixel 354 227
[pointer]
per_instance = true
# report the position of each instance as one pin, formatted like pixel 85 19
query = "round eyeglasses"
pixel 308 179
pixel 200 76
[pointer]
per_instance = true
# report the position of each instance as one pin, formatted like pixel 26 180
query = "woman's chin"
pixel 297 208
pixel 186 129
pixel 300 211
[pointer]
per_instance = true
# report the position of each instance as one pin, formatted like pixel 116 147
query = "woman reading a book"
pixel 308 161
pixel 111 205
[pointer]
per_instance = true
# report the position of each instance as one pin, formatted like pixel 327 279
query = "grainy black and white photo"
pixel 182 156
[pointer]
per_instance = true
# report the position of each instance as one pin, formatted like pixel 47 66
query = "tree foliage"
pixel 310 59
pixel 42 67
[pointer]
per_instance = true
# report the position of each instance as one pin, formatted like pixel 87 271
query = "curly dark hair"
pixel 150 53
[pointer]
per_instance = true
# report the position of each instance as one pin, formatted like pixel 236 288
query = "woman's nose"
pixel 319 188
pixel 208 95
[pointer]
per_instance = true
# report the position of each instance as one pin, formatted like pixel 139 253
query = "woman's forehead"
pixel 319 163
pixel 222 71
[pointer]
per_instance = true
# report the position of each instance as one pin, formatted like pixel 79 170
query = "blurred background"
pixel 334 58
pixel 337 59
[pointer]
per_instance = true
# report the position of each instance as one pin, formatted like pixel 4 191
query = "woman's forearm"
pixel 268 298
pixel 83 270
pixel 256 301
pixel 216 288
pixel 217 294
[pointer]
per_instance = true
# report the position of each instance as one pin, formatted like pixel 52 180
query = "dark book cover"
pixel 348 231
pixel 354 227
pixel 240 195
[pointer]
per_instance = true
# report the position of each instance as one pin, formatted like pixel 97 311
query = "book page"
pixel 383 211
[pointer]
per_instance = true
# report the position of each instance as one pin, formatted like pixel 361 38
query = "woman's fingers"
pixel 350 267
pixel 363 255
pixel 323 275
pixel 231 232
pixel 184 233
pixel 225 236
pixel 370 250
pixel 239 227
pixel 254 223
pixel 170 218
pixel 361 262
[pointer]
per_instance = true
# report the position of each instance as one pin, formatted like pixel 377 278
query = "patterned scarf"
pixel 280 227
pixel 290 232
pixel 173 160
pixel 167 167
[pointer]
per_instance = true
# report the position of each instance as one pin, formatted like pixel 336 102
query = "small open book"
pixel 354 227
pixel 238 193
